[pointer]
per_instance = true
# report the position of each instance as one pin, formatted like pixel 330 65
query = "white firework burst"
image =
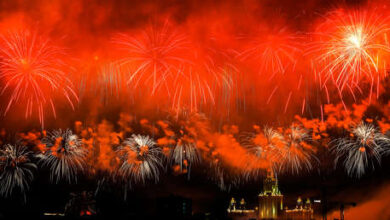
pixel 298 154
pixel 273 146
pixel 140 159
pixel 64 155
pixel 16 169
pixel 362 150
pixel 268 145
pixel 185 154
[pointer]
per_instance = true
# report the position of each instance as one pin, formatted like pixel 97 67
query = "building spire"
pixel 270 184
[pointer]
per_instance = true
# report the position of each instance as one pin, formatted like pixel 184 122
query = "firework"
pixel 106 80
pixel 224 178
pixel 152 57
pixel 110 81
pixel 269 145
pixel 32 72
pixel 195 86
pixel 298 153
pixel 16 169
pixel 210 73
pixel 184 132
pixel 275 52
pixel 185 154
pixel 140 158
pixel 362 150
pixel 164 60
pixel 351 48
pixel 64 155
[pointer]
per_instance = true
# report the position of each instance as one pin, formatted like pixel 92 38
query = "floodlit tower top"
pixel 270 185
pixel 232 201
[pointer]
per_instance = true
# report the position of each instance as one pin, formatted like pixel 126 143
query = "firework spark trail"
pixel 168 62
pixel 362 150
pixel 181 135
pixel 276 53
pixel 285 152
pixel 197 84
pixel 185 154
pixel 230 94
pixel 110 81
pixel 351 48
pixel 268 144
pixel 64 155
pixel 105 79
pixel 165 60
pixel 16 169
pixel 140 158
pixel 225 178
pixel 32 70
pixel 154 56
pixel 298 154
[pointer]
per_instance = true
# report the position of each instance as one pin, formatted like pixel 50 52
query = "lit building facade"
pixel 270 205
pixel 270 199
pixel 302 211
pixel 239 211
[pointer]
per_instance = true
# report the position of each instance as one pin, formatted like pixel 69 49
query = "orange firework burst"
pixel 31 71
pixel 352 47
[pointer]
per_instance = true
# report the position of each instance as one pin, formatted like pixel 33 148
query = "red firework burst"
pixel 275 51
pixel 168 62
pixel 153 56
pixel 31 71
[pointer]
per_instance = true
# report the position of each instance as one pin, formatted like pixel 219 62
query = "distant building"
pixel 270 200
pixel 239 212
pixel 174 207
pixel 270 205
pixel 301 211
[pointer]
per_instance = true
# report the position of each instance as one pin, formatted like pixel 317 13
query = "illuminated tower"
pixel 299 203
pixel 232 205
pixel 242 204
pixel 270 200
pixel 308 204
